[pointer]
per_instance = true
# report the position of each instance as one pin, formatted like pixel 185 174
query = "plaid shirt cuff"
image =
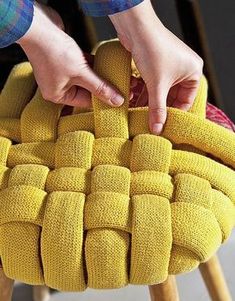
pixel 15 19
pixel 101 8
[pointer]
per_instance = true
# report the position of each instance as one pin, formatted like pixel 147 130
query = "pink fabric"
pixel 218 116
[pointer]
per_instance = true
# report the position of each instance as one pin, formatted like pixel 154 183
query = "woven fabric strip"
pixel 93 199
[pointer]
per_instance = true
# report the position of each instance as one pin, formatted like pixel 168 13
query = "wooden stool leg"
pixel 41 293
pixel 214 279
pixel 166 291
pixel 6 287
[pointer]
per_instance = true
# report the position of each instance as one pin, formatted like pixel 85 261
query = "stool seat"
pixel 104 197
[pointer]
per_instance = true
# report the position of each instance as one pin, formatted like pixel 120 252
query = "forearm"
pixel 45 27
pixel 136 23
pixel 16 17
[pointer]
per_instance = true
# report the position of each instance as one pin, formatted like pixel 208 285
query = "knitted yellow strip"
pixel 18 90
pixel 203 134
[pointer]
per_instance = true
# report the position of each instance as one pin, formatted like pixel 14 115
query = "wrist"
pixel 135 23
pixel 42 30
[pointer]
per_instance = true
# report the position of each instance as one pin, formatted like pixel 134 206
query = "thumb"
pixel 186 94
pixel 99 87
pixel 157 108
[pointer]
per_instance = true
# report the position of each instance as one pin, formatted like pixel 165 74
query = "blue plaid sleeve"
pixel 15 19
pixel 99 8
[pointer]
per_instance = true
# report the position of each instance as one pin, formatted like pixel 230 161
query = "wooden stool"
pixel 6 287
pixel 167 291
pixel 41 293
pixel 213 277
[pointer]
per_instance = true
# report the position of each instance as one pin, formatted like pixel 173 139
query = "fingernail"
pixel 118 100
pixel 157 128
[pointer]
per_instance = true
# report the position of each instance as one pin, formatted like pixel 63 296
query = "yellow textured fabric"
pixel 94 199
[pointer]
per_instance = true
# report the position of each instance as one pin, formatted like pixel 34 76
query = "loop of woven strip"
pixel 79 208
pixel 168 220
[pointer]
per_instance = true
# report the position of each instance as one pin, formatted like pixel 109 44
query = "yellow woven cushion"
pixel 94 199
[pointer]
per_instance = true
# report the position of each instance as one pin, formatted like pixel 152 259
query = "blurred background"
pixel 206 26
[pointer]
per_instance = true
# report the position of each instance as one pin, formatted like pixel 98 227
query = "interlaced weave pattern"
pixel 94 199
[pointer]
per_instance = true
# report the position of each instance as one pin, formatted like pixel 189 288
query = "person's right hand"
pixel 170 69
pixel 60 68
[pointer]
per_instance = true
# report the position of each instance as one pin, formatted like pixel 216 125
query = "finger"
pixel 82 98
pixel 157 108
pixel 171 97
pixel 142 100
pixel 185 96
pixel 77 97
pixel 134 82
pixel 99 87
pixel 131 95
